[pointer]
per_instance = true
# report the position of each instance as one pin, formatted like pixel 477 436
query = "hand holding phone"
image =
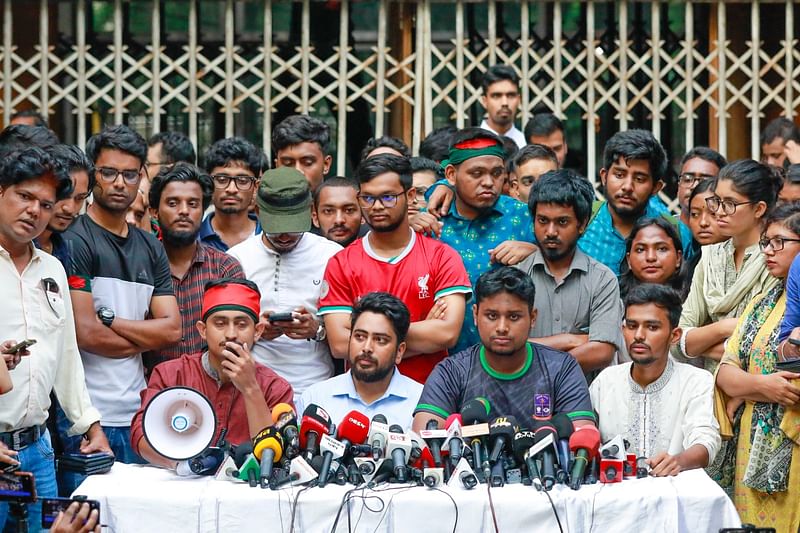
pixel 67 515
pixel 281 317
pixel 19 347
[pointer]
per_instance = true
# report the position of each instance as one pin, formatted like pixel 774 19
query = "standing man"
pixel 633 164
pixel 427 275
pixel 698 164
pixel 528 165
pixel 36 306
pixel 180 195
pixel 578 305
pixel 336 215
pixel 773 139
pixel 120 286
pixel 303 142
pixel 235 166
pixel 501 99
pixel 548 130
pixel 165 149
pixel 287 263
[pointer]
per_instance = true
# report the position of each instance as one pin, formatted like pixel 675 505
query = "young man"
pixel 634 163
pixel 774 139
pixel 378 328
pixel 167 148
pixel 180 195
pixel 516 377
pixel 302 142
pixel 528 165
pixel 287 263
pixel 235 166
pixel 501 100
pixel 579 308
pixel 120 286
pixel 546 129
pixel 242 391
pixel 37 306
pixel 385 145
pixel 424 173
pixel 336 214
pixel 698 164
pixel 427 275
pixel 664 409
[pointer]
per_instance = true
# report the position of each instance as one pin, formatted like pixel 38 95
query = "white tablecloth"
pixel 142 499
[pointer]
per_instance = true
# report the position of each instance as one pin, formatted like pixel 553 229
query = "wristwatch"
pixel 106 316
pixel 321 333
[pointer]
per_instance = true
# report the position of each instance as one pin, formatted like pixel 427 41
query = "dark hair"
pixel 421 164
pixel 703 186
pixel 334 181
pixel 20 136
pixel 779 127
pixel 497 73
pixel 563 187
pixel 792 174
pixel 382 163
pixel 510 147
pixel 786 213
pixel 757 181
pixel 175 146
pixel 223 152
pixel 542 125
pixel 388 305
pixel 385 142
pixel 38 119
pixel 298 129
pixel 436 145
pixel 505 279
pixel 636 144
pixel 119 137
pixel 74 160
pixel 666 298
pixel 533 151
pixel 33 163
pixel 185 173
pixel 678 281
pixel 467 134
pixel 706 154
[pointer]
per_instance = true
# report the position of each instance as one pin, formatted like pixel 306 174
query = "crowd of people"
pixel 482 267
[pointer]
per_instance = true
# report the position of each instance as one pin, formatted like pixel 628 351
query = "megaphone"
pixel 179 423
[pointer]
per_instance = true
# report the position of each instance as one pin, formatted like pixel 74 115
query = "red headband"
pixel 232 296
pixel 476 144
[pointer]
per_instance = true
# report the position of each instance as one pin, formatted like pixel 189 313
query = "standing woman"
pixel 733 272
pixel 765 432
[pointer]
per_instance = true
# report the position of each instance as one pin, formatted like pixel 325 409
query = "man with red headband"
pixel 242 391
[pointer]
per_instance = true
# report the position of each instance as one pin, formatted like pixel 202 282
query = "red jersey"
pixel 424 272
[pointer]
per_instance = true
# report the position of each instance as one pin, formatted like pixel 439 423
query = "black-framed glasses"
pixel 243 183
pixel 109 175
pixel 691 180
pixel 388 200
pixel 715 203
pixel 777 243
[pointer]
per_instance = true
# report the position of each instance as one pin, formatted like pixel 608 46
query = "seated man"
pixel 664 409
pixel 517 377
pixel 242 391
pixel 379 324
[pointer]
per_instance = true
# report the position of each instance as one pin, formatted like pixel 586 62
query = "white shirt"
pixel 514 134
pixel 286 281
pixel 31 312
pixel 670 415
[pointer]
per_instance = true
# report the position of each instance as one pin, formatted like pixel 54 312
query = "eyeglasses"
pixel 691 180
pixel 388 200
pixel 109 175
pixel 243 183
pixel 777 243
pixel 421 190
pixel 714 204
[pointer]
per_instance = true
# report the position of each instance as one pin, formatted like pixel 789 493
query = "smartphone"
pixel 281 317
pixel 17 487
pixel 21 346
pixel 52 506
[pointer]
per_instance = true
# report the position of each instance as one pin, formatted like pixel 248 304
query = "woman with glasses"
pixel 756 405
pixel 733 272
pixel 653 254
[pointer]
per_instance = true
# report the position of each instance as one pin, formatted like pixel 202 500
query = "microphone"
pixel 268 448
pixel 522 443
pixel 564 429
pixel 584 443
pixel 378 434
pixel 315 423
pixel 475 411
pixel 434 442
pixel 285 421
pixel 331 449
pixel 501 431
pixel 453 441
pixel 545 437
pixel 353 429
pixel 398 447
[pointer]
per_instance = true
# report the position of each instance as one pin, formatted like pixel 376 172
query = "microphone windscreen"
pixel 586 437
pixel 563 426
pixel 523 441
pixel 280 410
pixel 354 428
pixel 380 418
pixel 317 413
pixel 503 425
pixel 241 452
pixel 475 411
pixel 394 428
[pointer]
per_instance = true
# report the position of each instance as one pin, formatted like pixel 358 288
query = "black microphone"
pixel 398 446
pixel 474 413
pixel 522 443
pixel 564 429
pixel 545 431
pixel 434 444
pixel 501 431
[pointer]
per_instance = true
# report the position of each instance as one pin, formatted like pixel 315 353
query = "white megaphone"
pixel 179 423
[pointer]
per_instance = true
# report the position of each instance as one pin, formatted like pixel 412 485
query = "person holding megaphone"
pixel 241 391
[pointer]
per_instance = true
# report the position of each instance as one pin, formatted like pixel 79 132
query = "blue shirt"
pixel 338 396
pixel 508 220
pixel 60 250
pixel 208 236
pixel 603 242
pixel 791 318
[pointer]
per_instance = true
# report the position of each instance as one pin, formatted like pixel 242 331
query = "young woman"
pixel 702 222
pixel 730 273
pixel 653 254
pixel 757 405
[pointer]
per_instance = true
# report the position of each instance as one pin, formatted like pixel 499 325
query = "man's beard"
pixel 379 373
pixel 629 213
pixel 231 210
pixel 388 229
pixel 557 255
pixel 179 239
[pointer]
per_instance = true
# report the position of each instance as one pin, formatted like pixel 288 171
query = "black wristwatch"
pixel 106 316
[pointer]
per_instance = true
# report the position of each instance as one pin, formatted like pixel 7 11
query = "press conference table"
pixel 136 498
